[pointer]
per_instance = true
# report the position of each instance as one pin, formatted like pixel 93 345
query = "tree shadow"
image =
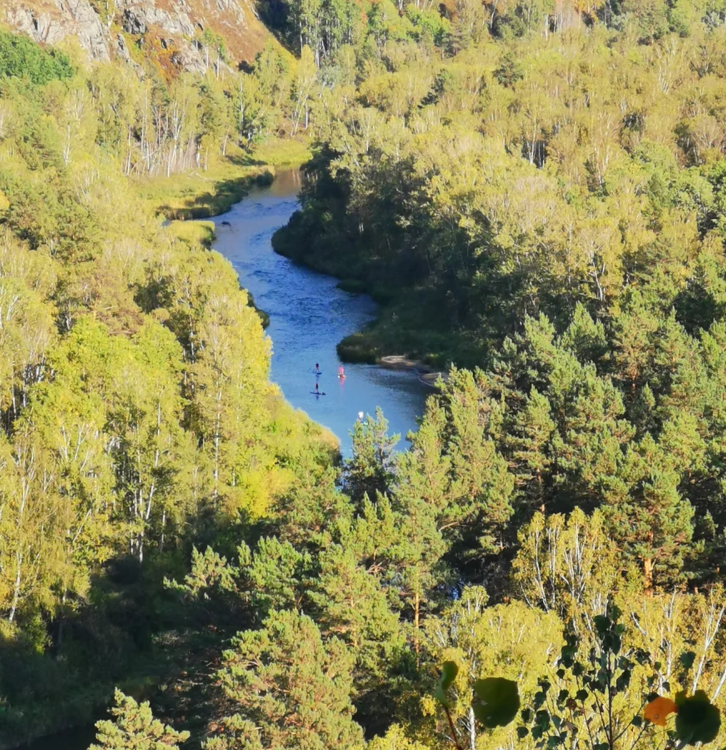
pixel 245 160
pixel 219 200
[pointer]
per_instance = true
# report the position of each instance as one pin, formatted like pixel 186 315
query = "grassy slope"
pixel 202 194
pixel 193 232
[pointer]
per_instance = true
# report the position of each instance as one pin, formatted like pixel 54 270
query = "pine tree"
pixel 371 469
pixel 287 689
pixel 276 576
pixel 424 470
pixel 481 486
pixel 591 436
pixel 313 505
pixel 585 337
pixel 351 604
pixel 529 441
pixel 647 515
pixel 634 337
pixel 134 728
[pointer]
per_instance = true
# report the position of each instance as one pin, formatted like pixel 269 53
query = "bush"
pixel 357 348
pixel 23 58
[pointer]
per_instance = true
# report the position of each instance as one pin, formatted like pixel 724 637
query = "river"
pixel 309 315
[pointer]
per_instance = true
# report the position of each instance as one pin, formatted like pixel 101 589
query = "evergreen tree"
pixel 531 449
pixel 135 728
pixel 287 689
pixel 647 515
pixel 351 604
pixel 371 469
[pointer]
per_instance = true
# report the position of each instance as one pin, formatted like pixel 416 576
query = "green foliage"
pixel 22 58
pixel 134 728
pixel 136 418
pixel 509 70
pixel 565 563
pixel 287 689
pixel 448 675
pixel 496 701
pixel 588 686
pixel 586 702
pixel 698 720
pixel 370 471
pixel 531 191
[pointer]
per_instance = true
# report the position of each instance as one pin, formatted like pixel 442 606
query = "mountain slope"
pixel 108 29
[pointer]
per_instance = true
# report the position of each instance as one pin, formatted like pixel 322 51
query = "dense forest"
pixel 536 192
pixel 136 414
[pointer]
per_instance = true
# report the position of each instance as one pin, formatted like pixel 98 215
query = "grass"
pixel 193 233
pixel 201 194
pixel 360 347
pixel 279 152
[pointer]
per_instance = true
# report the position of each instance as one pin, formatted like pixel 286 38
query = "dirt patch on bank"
pixel 426 373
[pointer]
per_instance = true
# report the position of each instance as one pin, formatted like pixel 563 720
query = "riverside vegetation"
pixel 538 192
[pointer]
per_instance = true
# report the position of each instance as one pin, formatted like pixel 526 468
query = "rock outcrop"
pixel 105 29
pixel 51 21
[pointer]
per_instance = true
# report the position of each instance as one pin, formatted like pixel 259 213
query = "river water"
pixel 309 315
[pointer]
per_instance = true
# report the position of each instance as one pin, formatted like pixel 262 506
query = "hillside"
pixel 178 30
pixel 534 191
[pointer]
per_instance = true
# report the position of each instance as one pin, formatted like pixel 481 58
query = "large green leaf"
pixel 698 720
pixel 448 675
pixel 496 701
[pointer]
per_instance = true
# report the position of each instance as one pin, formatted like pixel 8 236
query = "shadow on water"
pixel 309 315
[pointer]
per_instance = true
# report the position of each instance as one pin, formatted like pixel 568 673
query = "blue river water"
pixel 309 315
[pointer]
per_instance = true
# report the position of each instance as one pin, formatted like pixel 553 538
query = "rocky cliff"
pixel 172 29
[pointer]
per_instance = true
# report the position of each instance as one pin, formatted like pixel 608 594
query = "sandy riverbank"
pixel 426 373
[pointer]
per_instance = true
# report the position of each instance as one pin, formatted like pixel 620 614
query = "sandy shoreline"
pixel 426 373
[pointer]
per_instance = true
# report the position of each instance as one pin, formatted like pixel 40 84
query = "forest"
pixel 535 191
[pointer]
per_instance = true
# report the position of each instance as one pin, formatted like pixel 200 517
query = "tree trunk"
pixel 16 586
pixel 472 730
pixel 648 575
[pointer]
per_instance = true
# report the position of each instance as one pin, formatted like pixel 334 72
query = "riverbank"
pixel 425 373
pixel 205 193
pixel 131 606
pixel 406 327
pixel 413 319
